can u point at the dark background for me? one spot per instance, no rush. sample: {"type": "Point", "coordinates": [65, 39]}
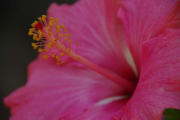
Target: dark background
{"type": "Point", "coordinates": [16, 53]}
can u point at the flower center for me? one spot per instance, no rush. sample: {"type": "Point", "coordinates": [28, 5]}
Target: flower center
{"type": "Point", "coordinates": [53, 41]}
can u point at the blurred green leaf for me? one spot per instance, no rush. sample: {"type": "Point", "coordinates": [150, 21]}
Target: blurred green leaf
{"type": "Point", "coordinates": [171, 114]}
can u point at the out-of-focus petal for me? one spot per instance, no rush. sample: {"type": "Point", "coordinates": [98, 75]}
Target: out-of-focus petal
{"type": "Point", "coordinates": [158, 87]}
{"type": "Point", "coordinates": [145, 19]}
{"type": "Point", "coordinates": [54, 93]}
{"type": "Point", "coordinates": [94, 24]}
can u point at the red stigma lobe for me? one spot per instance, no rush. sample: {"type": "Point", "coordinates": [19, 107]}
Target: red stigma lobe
{"type": "Point", "coordinates": [39, 26]}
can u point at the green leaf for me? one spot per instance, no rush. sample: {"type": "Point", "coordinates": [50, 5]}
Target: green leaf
{"type": "Point", "coordinates": [171, 114]}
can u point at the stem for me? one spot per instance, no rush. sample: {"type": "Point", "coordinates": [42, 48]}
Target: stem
{"type": "Point", "coordinates": [127, 85]}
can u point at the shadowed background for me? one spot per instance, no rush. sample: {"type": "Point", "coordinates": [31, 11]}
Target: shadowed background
{"type": "Point", "coordinates": [16, 52]}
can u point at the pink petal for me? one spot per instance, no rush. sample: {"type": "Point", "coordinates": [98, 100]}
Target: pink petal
{"type": "Point", "coordinates": [158, 87]}
{"type": "Point", "coordinates": [94, 24]}
{"type": "Point", "coordinates": [144, 19]}
{"type": "Point", "coordinates": [104, 112]}
{"type": "Point", "coordinates": [54, 92]}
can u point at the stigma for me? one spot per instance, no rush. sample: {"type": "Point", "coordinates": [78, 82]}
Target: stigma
{"type": "Point", "coordinates": [52, 39]}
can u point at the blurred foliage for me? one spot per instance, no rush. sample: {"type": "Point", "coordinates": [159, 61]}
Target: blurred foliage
{"type": "Point", "coordinates": [171, 114]}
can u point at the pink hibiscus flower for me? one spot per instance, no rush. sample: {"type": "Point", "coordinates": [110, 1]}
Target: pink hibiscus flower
{"type": "Point", "coordinates": [126, 65]}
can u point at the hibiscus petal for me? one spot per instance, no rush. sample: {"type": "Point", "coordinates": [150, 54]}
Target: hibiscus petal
{"type": "Point", "coordinates": [94, 24]}
{"type": "Point", "coordinates": [54, 92]}
{"type": "Point", "coordinates": [144, 19]}
{"type": "Point", "coordinates": [111, 111]}
{"type": "Point", "coordinates": [158, 87]}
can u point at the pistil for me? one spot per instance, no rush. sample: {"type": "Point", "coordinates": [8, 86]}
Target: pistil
{"type": "Point", "coordinates": [46, 40]}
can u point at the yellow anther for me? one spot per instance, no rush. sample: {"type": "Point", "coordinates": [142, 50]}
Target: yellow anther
{"type": "Point", "coordinates": [61, 54]}
{"type": "Point", "coordinates": [40, 35]}
{"type": "Point", "coordinates": [51, 18]}
{"type": "Point", "coordinates": [57, 58]}
{"type": "Point", "coordinates": [31, 30]}
{"type": "Point", "coordinates": [66, 34]}
{"type": "Point", "coordinates": [44, 18]}
{"type": "Point", "coordinates": [49, 45]}
{"type": "Point", "coordinates": [45, 56]}
{"type": "Point", "coordinates": [69, 49]}
{"type": "Point", "coordinates": [30, 33]}
{"type": "Point", "coordinates": [45, 38]}
{"type": "Point", "coordinates": [40, 50]}
{"type": "Point", "coordinates": [54, 39]}
{"type": "Point", "coordinates": [47, 28]}
{"type": "Point", "coordinates": [39, 18]}
{"type": "Point", "coordinates": [57, 28]}
{"type": "Point", "coordinates": [38, 38]}
{"type": "Point", "coordinates": [56, 20]}
{"type": "Point", "coordinates": [34, 46]}
{"type": "Point", "coordinates": [65, 38]}
{"type": "Point", "coordinates": [51, 22]}
{"type": "Point", "coordinates": [60, 35]}
{"type": "Point", "coordinates": [35, 37]}
{"type": "Point", "coordinates": [62, 26]}
{"type": "Point", "coordinates": [34, 23]}
{"type": "Point", "coordinates": [39, 31]}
